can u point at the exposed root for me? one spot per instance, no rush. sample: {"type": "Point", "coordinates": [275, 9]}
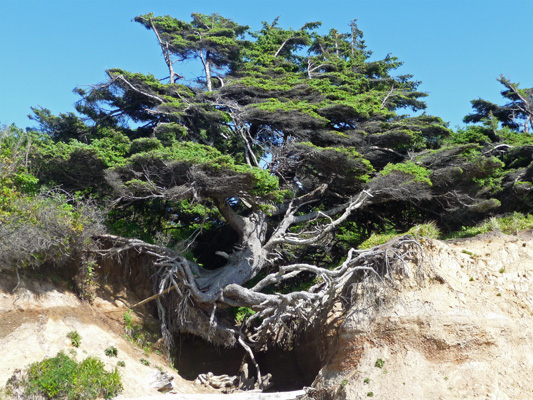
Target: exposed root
{"type": "Point", "coordinates": [192, 300]}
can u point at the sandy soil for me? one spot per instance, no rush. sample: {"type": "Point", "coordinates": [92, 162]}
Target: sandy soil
{"type": "Point", "coordinates": [466, 333]}
{"type": "Point", "coordinates": [35, 320]}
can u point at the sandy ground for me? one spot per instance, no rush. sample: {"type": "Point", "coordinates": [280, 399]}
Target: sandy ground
{"type": "Point", "coordinates": [464, 333]}
{"type": "Point", "coordinates": [36, 318]}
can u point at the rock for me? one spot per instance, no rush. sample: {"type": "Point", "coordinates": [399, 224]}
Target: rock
{"type": "Point", "coordinates": [162, 381]}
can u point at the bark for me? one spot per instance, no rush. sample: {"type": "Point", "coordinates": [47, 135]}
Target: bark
{"type": "Point", "coordinates": [166, 54]}
{"type": "Point", "coordinates": [192, 299]}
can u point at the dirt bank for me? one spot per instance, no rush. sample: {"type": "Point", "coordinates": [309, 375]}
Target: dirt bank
{"type": "Point", "coordinates": [465, 333]}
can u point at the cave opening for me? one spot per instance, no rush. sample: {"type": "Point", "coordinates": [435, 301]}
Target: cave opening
{"type": "Point", "coordinates": [290, 369]}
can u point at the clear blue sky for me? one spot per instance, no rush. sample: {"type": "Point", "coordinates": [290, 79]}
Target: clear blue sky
{"type": "Point", "coordinates": [457, 48]}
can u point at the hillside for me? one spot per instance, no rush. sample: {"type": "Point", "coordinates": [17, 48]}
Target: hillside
{"type": "Point", "coordinates": [464, 332]}
{"type": "Point", "coordinates": [38, 315]}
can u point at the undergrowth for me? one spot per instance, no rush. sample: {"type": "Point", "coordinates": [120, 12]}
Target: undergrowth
{"type": "Point", "coordinates": [64, 378]}
{"type": "Point", "coordinates": [139, 335]}
{"type": "Point", "coordinates": [509, 224]}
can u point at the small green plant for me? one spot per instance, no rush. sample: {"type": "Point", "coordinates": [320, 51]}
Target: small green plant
{"type": "Point", "coordinates": [128, 321]}
{"type": "Point", "coordinates": [241, 314]}
{"type": "Point", "coordinates": [144, 361]}
{"type": "Point", "coordinates": [75, 338]}
{"type": "Point", "coordinates": [111, 351]}
{"type": "Point", "coordinates": [85, 280]}
{"type": "Point", "coordinates": [471, 279]}
{"type": "Point", "coordinates": [63, 377]}
{"type": "Point", "coordinates": [428, 230]}
{"type": "Point", "coordinates": [501, 270]}
{"type": "Point", "coordinates": [445, 378]}
{"type": "Point", "coordinates": [138, 335]}
{"type": "Point", "coordinates": [344, 383]}
{"type": "Point", "coordinates": [366, 381]}
{"type": "Point", "coordinates": [377, 239]}
{"type": "Point", "coordinates": [379, 363]}
{"type": "Point", "coordinates": [121, 364]}
{"type": "Point", "coordinates": [370, 394]}
{"type": "Point", "coordinates": [498, 294]}
{"type": "Point", "coordinates": [473, 255]}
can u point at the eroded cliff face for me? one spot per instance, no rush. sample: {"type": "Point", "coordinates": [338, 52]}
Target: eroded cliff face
{"type": "Point", "coordinates": [463, 332]}
{"type": "Point", "coordinates": [36, 317]}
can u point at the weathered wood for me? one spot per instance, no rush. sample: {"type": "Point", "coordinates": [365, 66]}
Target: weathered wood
{"type": "Point", "coordinates": [155, 296]}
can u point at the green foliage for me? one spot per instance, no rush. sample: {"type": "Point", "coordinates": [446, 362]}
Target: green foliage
{"type": "Point", "coordinates": [75, 338]}
{"type": "Point", "coordinates": [513, 223]}
{"type": "Point", "coordinates": [379, 363]}
{"type": "Point", "coordinates": [45, 228]}
{"type": "Point", "coordinates": [241, 314]}
{"type": "Point", "coordinates": [429, 230]}
{"type": "Point", "coordinates": [416, 172]}
{"type": "Point", "coordinates": [144, 362]}
{"type": "Point", "coordinates": [471, 134]}
{"type": "Point", "coordinates": [111, 351]}
{"type": "Point", "coordinates": [143, 145]}
{"type": "Point", "coordinates": [510, 224]}
{"type": "Point", "coordinates": [85, 279]}
{"type": "Point", "coordinates": [138, 335]}
{"type": "Point", "coordinates": [377, 239]}
{"type": "Point", "coordinates": [128, 320]}
{"type": "Point", "coordinates": [63, 377]}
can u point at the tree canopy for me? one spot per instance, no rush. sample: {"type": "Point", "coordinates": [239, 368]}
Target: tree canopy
{"type": "Point", "coordinates": [253, 186]}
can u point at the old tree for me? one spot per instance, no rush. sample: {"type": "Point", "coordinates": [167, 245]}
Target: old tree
{"type": "Point", "coordinates": [252, 187]}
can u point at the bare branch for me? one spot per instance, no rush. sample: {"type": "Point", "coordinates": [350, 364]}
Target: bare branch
{"type": "Point", "coordinates": [166, 54]}
{"type": "Point", "coordinates": [132, 87]}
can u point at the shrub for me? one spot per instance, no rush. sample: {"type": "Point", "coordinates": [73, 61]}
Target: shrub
{"type": "Point", "coordinates": [63, 377]}
{"type": "Point", "coordinates": [46, 228]}
{"type": "Point", "coordinates": [111, 351]}
{"type": "Point", "coordinates": [428, 230]}
{"type": "Point", "coordinates": [75, 338]}
{"type": "Point", "coordinates": [510, 224]}
{"type": "Point", "coordinates": [377, 239]}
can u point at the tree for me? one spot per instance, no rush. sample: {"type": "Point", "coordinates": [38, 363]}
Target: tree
{"type": "Point", "coordinates": [299, 143]}
{"type": "Point", "coordinates": [210, 38]}
{"type": "Point", "coordinates": [517, 114]}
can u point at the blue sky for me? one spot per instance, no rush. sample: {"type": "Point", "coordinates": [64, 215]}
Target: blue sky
{"type": "Point", "coordinates": [457, 48]}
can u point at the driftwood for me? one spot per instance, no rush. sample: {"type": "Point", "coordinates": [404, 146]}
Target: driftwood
{"type": "Point", "coordinates": [229, 384]}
